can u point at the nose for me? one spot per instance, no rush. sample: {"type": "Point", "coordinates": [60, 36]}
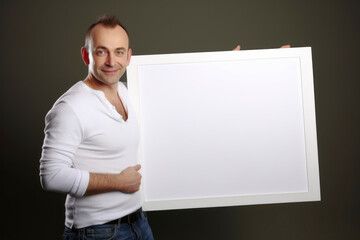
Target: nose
{"type": "Point", "coordinates": [110, 60]}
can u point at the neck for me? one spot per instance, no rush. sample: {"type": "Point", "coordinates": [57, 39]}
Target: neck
{"type": "Point", "coordinates": [109, 90]}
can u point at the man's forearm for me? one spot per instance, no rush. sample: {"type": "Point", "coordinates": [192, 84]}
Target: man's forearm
{"type": "Point", "coordinates": [100, 183]}
{"type": "Point", "coordinates": [128, 181]}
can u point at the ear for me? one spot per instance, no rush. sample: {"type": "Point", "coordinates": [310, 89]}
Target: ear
{"type": "Point", "coordinates": [129, 54]}
{"type": "Point", "coordinates": [85, 56]}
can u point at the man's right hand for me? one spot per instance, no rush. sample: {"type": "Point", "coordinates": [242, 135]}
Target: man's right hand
{"type": "Point", "coordinates": [131, 179]}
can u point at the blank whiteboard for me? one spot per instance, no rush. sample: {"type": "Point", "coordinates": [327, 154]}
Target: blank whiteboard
{"type": "Point", "coordinates": [226, 128]}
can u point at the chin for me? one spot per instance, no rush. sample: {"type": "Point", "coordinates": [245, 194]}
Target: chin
{"type": "Point", "coordinates": [110, 81]}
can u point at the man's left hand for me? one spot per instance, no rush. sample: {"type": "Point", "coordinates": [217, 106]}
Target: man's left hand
{"type": "Point", "coordinates": [238, 47]}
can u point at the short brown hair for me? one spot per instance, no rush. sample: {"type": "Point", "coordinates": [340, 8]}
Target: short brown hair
{"type": "Point", "coordinates": [108, 20]}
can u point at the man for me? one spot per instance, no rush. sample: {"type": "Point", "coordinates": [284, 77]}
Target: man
{"type": "Point", "coordinates": [90, 144]}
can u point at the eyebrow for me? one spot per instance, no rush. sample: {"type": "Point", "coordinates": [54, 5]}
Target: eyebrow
{"type": "Point", "coordinates": [102, 47]}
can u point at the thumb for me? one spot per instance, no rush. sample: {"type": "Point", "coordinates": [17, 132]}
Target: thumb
{"type": "Point", "coordinates": [137, 167]}
{"type": "Point", "coordinates": [237, 48]}
{"type": "Point", "coordinates": [285, 46]}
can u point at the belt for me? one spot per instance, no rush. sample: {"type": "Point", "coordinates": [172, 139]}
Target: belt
{"type": "Point", "coordinates": [132, 217]}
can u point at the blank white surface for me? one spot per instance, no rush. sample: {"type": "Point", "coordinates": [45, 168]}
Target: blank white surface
{"type": "Point", "coordinates": [221, 129]}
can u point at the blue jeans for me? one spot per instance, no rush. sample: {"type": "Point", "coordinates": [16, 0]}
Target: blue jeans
{"type": "Point", "coordinates": [138, 230]}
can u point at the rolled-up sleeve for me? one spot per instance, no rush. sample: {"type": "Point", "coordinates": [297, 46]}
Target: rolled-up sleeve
{"type": "Point", "coordinates": [63, 135]}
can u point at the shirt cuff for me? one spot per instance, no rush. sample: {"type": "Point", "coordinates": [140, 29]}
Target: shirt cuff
{"type": "Point", "coordinates": [81, 184]}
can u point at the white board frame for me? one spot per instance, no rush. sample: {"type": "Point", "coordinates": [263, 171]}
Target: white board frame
{"type": "Point", "coordinates": [304, 60]}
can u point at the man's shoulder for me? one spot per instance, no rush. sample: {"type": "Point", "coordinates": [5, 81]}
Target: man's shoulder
{"type": "Point", "coordinates": [75, 96]}
{"type": "Point", "coordinates": [73, 104]}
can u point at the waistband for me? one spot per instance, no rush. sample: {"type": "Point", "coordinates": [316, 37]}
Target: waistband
{"type": "Point", "coordinates": [132, 217]}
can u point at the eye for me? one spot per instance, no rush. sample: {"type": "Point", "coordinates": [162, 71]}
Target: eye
{"type": "Point", "coordinates": [119, 53]}
{"type": "Point", "coordinates": [100, 52]}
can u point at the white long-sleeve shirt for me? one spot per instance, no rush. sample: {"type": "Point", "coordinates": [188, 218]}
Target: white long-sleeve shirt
{"type": "Point", "coordinates": [84, 133]}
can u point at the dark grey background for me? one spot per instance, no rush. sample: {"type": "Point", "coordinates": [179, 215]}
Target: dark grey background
{"type": "Point", "coordinates": [40, 59]}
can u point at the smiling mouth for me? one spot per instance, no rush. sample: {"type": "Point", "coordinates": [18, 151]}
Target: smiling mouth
{"type": "Point", "coordinates": [111, 71]}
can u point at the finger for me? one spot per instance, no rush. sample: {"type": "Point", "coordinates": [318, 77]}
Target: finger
{"type": "Point", "coordinates": [285, 46]}
{"type": "Point", "coordinates": [238, 47]}
{"type": "Point", "coordinates": [137, 167]}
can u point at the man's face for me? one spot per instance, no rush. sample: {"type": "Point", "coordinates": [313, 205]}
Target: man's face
{"type": "Point", "coordinates": [109, 53]}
